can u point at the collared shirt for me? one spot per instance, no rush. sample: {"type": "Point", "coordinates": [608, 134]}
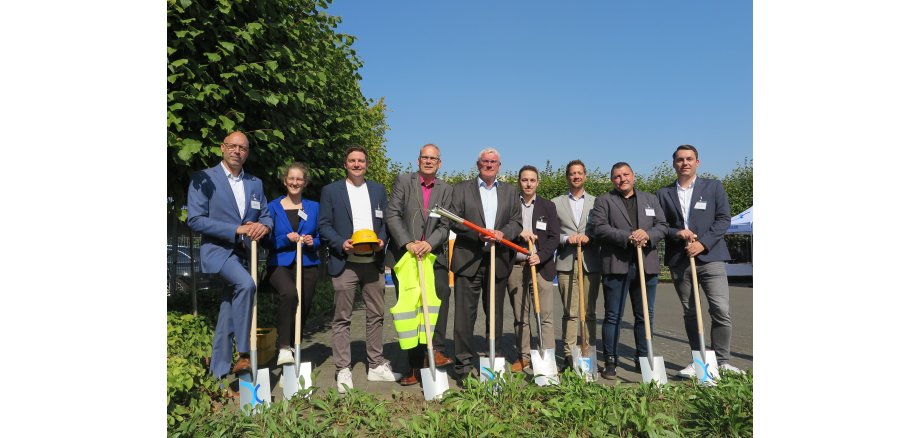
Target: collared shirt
{"type": "Point", "coordinates": [426, 190]}
{"type": "Point", "coordinates": [578, 207]}
{"type": "Point", "coordinates": [527, 220]}
{"type": "Point", "coordinates": [685, 195]}
{"type": "Point", "coordinates": [239, 192]}
{"type": "Point", "coordinates": [489, 196]}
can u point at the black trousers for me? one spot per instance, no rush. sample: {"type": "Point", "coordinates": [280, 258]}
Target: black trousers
{"type": "Point", "coordinates": [442, 290]}
{"type": "Point", "coordinates": [466, 298]}
{"type": "Point", "coordinates": [284, 280]}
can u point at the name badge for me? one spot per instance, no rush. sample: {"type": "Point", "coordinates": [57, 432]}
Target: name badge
{"type": "Point", "coordinates": [434, 215]}
{"type": "Point", "coordinates": [700, 205]}
{"type": "Point", "coordinates": [255, 205]}
{"type": "Point", "coordinates": [378, 213]}
{"type": "Point", "coordinates": [649, 211]}
{"type": "Point", "coordinates": [302, 214]}
{"type": "Point", "coordinates": [541, 225]}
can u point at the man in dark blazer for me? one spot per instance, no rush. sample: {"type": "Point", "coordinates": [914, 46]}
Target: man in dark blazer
{"type": "Point", "coordinates": [412, 227]}
{"type": "Point", "coordinates": [698, 215]}
{"type": "Point", "coordinates": [225, 205]}
{"type": "Point", "coordinates": [623, 219]}
{"type": "Point", "coordinates": [494, 206]}
{"type": "Point", "coordinates": [347, 206]}
{"type": "Point", "coordinates": [540, 226]}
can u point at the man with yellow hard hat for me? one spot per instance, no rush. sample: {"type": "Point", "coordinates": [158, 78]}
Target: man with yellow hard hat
{"type": "Point", "coordinates": [351, 218]}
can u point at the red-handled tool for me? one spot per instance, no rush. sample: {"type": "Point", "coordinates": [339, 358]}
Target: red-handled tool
{"type": "Point", "coordinates": [440, 210]}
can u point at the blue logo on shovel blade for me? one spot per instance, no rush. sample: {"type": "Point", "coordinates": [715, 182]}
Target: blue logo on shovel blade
{"type": "Point", "coordinates": [254, 390]}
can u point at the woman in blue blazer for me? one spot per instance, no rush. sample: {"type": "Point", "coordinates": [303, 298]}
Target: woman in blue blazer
{"type": "Point", "coordinates": [295, 219]}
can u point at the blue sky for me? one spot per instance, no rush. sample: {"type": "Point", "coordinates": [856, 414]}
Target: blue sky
{"type": "Point", "coordinates": [600, 81]}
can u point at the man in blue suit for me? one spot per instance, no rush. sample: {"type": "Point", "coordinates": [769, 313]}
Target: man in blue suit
{"type": "Point", "coordinates": [698, 216]}
{"type": "Point", "coordinates": [347, 206]}
{"type": "Point", "coordinates": [225, 205]}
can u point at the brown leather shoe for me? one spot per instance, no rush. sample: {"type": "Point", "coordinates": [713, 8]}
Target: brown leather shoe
{"type": "Point", "coordinates": [241, 365]}
{"type": "Point", "coordinates": [440, 360]}
{"type": "Point", "coordinates": [519, 365]}
{"type": "Point", "coordinates": [410, 378]}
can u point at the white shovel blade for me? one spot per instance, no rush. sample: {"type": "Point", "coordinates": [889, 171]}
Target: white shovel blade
{"type": "Point", "coordinates": [655, 373]}
{"type": "Point", "coordinates": [707, 371]}
{"type": "Point", "coordinates": [290, 380]}
{"type": "Point", "coordinates": [544, 367]}
{"type": "Point", "coordinates": [489, 372]}
{"type": "Point", "coordinates": [585, 365]}
{"type": "Point", "coordinates": [434, 387]}
{"type": "Point", "coordinates": [255, 394]}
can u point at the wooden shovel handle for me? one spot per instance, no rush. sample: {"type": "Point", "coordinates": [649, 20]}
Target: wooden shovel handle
{"type": "Point", "coordinates": [421, 282]}
{"type": "Point", "coordinates": [533, 281]}
{"type": "Point", "coordinates": [581, 300]}
{"type": "Point", "coordinates": [492, 291]}
{"type": "Point", "coordinates": [696, 297]}
{"type": "Point", "coordinates": [640, 256]}
{"type": "Point", "coordinates": [254, 271]}
{"type": "Point", "coordinates": [299, 277]}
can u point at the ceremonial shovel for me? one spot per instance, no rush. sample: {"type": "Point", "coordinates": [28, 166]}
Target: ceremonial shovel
{"type": "Point", "coordinates": [434, 381]}
{"type": "Point", "coordinates": [291, 373]}
{"type": "Point", "coordinates": [584, 356]}
{"type": "Point", "coordinates": [496, 365]}
{"type": "Point", "coordinates": [707, 370]}
{"type": "Point", "coordinates": [654, 369]}
{"type": "Point", "coordinates": [260, 392]}
{"type": "Point", "coordinates": [544, 360]}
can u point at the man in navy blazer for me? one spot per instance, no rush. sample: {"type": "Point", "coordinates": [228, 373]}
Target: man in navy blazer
{"type": "Point", "coordinates": [495, 206]}
{"type": "Point", "coordinates": [224, 205]}
{"type": "Point", "coordinates": [541, 226]}
{"type": "Point", "coordinates": [623, 219]}
{"type": "Point", "coordinates": [698, 216]}
{"type": "Point", "coordinates": [347, 206]}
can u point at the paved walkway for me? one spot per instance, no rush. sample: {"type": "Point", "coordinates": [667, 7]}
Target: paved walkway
{"type": "Point", "coordinates": [669, 341]}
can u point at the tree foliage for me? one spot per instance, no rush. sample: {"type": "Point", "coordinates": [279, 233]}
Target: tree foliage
{"type": "Point", "coordinates": [739, 185]}
{"type": "Point", "coordinates": [276, 70]}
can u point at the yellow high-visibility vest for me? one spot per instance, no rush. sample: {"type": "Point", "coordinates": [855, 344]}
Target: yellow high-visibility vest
{"type": "Point", "coordinates": [408, 317]}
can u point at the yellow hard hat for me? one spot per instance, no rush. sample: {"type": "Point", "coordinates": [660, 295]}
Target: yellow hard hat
{"type": "Point", "coordinates": [364, 241]}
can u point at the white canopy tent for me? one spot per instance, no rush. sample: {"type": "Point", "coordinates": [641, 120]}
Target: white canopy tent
{"type": "Point", "coordinates": [743, 223]}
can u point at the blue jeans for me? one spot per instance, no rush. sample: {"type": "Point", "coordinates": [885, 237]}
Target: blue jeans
{"type": "Point", "coordinates": [235, 316]}
{"type": "Point", "coordinates": [616, 287]}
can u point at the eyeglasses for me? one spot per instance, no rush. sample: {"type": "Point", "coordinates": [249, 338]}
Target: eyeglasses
{"type": "Point", "coordinates": [427, 158]}
{"type": "Point", "coordinates": [293, 179]}
{"type": "Point", "coordinates": [233, 147]}
{"type": "Point", "coordinates": [490, 161]}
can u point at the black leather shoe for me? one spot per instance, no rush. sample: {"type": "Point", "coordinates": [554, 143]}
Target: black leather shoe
{"type": "Point", "coordinates": [610, 370]}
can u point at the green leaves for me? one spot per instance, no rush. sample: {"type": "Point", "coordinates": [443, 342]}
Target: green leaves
{"type": "Point", "coordinates": [289, 85]}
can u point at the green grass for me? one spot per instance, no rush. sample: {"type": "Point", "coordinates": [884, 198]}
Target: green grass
{"type": "Point", "coordinates": [515, 408]}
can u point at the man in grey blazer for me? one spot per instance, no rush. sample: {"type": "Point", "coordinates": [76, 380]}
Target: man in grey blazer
{"type": "Point", "coordinates": [573, 208]}
{"type": "Point", "coordinates": [228, 207]}
{"type": "Point", "coordinates": [495, 206]}
{"type": "Point", "coordinates": [698, 215]}
{"type": "Point", "coordinates": [412, 227]}
{"type": "Point", "coordinates": [623, 219]}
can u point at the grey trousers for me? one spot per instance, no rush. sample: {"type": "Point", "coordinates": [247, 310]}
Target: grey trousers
{"type": "Point", "coordinates": [713, 282]}
{"type": "Point", "coordinates": [370, 280]}
{"type": "Point", "coordinates": [568, 290]}
{"type": "Point", "coordinates": [521, 297]}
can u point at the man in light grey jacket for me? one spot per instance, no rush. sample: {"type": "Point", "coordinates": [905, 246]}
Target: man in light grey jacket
{"type": "Point", "coordinates": [573, 209]}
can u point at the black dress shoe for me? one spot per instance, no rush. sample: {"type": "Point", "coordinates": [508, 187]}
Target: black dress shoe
{"type": "Point", "coordinates": [610, 370]}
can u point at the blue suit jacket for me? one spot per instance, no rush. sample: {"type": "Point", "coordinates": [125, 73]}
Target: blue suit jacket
{"type": "Point", "coordinates": [335, 221]}
{"type": "Point", "coordinates": [709, 223]}
{"type": "Point", "coordinates": [282, 251]}
{"type": "Point", "coordinates": [212, 211]}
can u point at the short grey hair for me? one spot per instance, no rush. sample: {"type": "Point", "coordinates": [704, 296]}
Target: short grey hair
{"type": "Point", "coordinates": [432, 145]}
{"type": "Point", "coordinates": [487, 151]}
